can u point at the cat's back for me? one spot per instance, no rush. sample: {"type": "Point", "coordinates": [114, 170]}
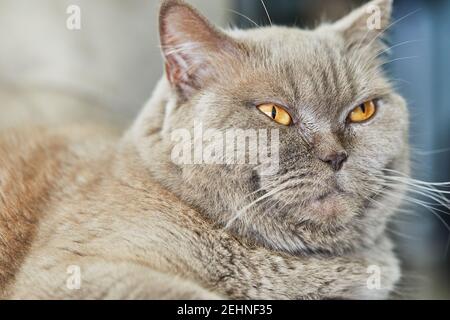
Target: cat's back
{"type": "Point", "coordinates": [66, 195]}
{"type": "Point", "coordinates": [33, 163]}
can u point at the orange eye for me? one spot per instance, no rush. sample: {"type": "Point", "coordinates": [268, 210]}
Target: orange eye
{"type": "Point", "coordinates": [363, 112]}
{"type": "Point", "coordinates": [276, 113]}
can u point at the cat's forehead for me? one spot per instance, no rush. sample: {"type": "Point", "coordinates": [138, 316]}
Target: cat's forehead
{"type": "Point", "coordinates": [268, 33]}
{"type": "Point", "coordinates": [288, 39]}
{"type": "Point", "coordinates": [304, 67]}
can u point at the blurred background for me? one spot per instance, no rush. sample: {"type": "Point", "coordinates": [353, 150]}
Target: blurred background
{"type": "Point", "coordinates": [106, 70]}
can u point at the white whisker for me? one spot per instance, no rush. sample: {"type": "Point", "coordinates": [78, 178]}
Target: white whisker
{"type": "Point", "coordinates": [267, 12]}
{"type": "Point", "coordinates": [431, 152]}
{"type": "Point", "coordinates": [398, 59]}
{"type": "Point", "coordinates": [245, 17]}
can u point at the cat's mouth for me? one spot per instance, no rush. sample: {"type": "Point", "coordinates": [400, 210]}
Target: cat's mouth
{"type": "Point", "coordinates": [337, 202]}
{"type": "Point", "coordinates": [331, 201]}
{"type": "Point", "coordinates": [334, 191]}
{"type": "Point", "coordinates": [328, 194]}
{"type": "Point", "coordinates": [337, 196]}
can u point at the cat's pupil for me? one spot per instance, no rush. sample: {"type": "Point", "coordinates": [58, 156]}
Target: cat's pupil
{"type": "Point", "coordinates": [274, 112]}
{"type": "Point", "coordinates": [363, 108]}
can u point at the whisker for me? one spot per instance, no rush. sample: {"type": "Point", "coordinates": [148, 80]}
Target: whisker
{"type": "Point", "coordinates": [427, 206]}
{"type": "Point", "coordinates": [267, 12]}
{"type": "Point", "coordinates": [398, 59]}
{"type": "Point", "coordinates": [418, 181]}
{"type": "Point", "coordinates": [395, 46]}
{"type": "Point", "coordinates": [403, 235]}
{"type": "Point", "coordinates": [431, 152]}
{"type": "Point", "coordinates": [422, 204]}
{"type": "Point", "coordinates": [386, 50]}
{"type": "Point", "coordinates": [243, 210]}
{"type": "Point", "coordinates": [431, 193]}
{"type": "Point", "coordinates": [245, 17]}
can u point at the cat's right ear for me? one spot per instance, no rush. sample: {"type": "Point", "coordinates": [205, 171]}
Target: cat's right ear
{"type": "Point", "coordinates": [192, 47]}
{"type": "Point", "coordinates": [367, 24]}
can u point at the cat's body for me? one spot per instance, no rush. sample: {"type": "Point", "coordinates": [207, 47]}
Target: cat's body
{"type": "Point", "coordinates": [139, 226]}
{"type": "Point", "coordinates": [92, 205]}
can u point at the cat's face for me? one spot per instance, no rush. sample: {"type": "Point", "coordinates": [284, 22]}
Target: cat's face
{"type": "Point", "coordinates": [327, 194]}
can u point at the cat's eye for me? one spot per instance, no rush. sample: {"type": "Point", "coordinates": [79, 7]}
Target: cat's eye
{"type": "Point", "coordinates": [363, 112]}
{"type": "Point", "coordinates": [276, 113]}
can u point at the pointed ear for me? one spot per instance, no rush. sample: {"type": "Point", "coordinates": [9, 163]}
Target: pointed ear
{"type": "Point", "coordinates": [191, 46]}
{"type": "Point", "coordinates": [366, 23]}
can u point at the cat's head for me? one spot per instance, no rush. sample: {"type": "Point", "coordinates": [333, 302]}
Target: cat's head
{"type": "Point", "coordinates": [319, 96]}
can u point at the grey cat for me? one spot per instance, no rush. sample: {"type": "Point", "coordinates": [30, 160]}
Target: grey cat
{"type": "Point", "coordinates": [139, 225]}
{"type": "Point", "coordinates": [320, 76]}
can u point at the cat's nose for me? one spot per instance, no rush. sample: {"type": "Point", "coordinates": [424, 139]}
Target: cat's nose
{"type": "Point", "coordinates": [328, 149]}
{"type": "Point", "coordinates": [335, 159]}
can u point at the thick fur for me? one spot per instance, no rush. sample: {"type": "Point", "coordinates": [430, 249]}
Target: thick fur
{"type": "Point", "coordinates": [133, 239]}
{"type": "Point", "coordinates": [140, 226]}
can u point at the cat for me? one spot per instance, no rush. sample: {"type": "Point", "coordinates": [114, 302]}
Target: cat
{"type": "Point", "coordinates": [134, 224]}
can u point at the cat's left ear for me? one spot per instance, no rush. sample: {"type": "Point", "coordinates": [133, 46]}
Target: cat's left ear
{"type": "Point", "coordinates": [193, 49]}
{"type": "Point", "coordinates": [367, 23]}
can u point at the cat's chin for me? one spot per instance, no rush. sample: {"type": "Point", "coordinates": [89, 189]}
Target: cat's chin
{"type": "Point", "coordinates": [332, 206]}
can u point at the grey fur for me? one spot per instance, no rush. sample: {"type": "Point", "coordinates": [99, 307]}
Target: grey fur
{"type": "Point", "coordinates": [320, 75]}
